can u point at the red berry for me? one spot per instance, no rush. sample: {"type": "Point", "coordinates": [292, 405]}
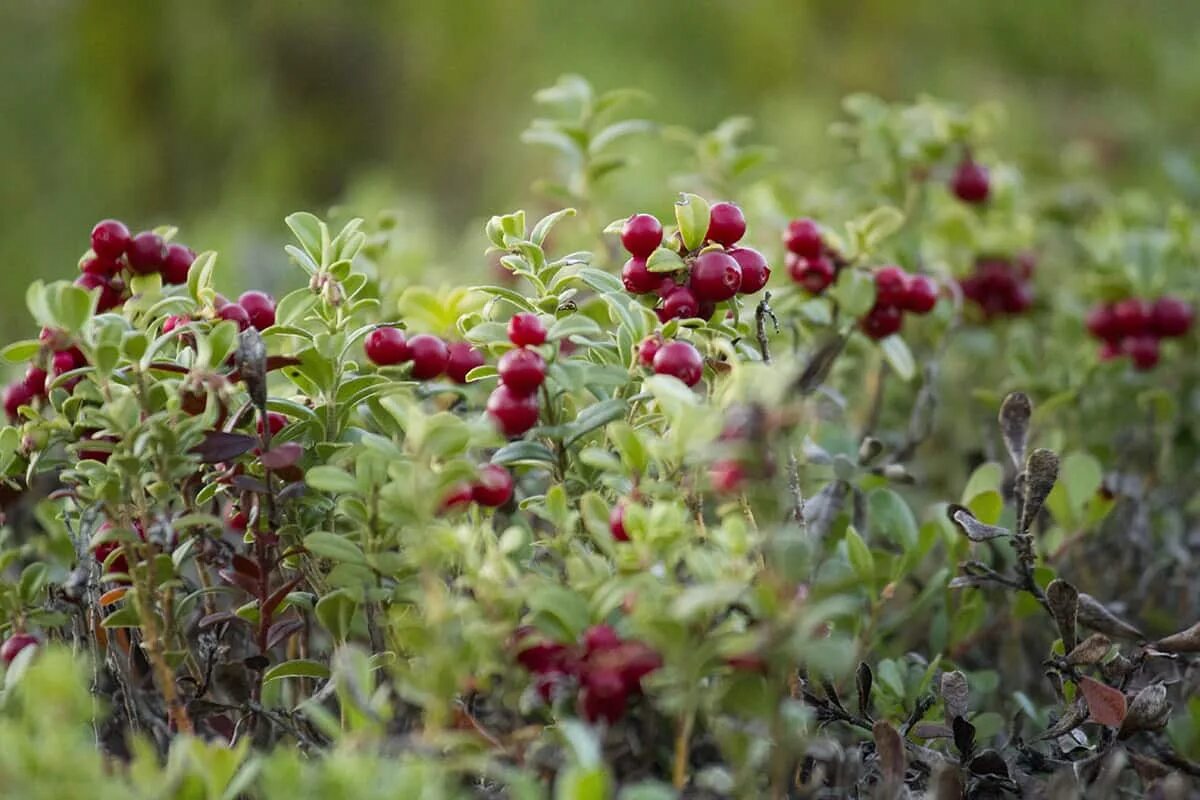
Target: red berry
{"type": "Point", "coordinates": [110, 239]}
{"type": "Point", "coordinates": [276, 420]}
{"type": "Point", "coordinates": [110, 291]}
{"type": "Point", "coordinates": [234, 312]}
{"type": "Point", "coordinates": [679, 304]}
{"type": "Point", "coordinates": [648, 348]}
{"type": "Point", "coordinates": [386, 346]}
{"type": "Point", "coordinates": [514, 413]}
{"type": "Point", "coordinates": [680, 360]}
{"type": "Point", "coordinates": [746, 662]}
{"type": "Point", "coordinates": [604, 696]}
{"type": "Point", "coordinates": [173, 322]}
{"type": "Point", "coordinates": [526, 330]}
{"type": "Point", "coordinates": [1019, 298]}
{"type": "Point", "coordinates": [1102, 323]}
{"type": "Point", "coordinates": [98, 265]}
{"type": "Point", "coordinates": [641, 235]}
{"type": "Point", "coordinates": [814, 274]}
{"type": "Point", "coordinates": [494, 486]}
{"type": "Point", "coordinates": [882, 321]}
{"type": "Point", "coordinates": [638, 279]}
{"type": "Point", "coordinates": [890, 286]}
{"type": "Point", "coordinates": [456, 497]}
{"type": "Point", "coordinates": [67, 360]}
{"type": "Point", "coordinates": [260, 307]}
{"type": "Point", "coordinates": [1109, 350]}
{"type": "Point", "coordinates": [616, 523]}
{"type": "Point", "coordinates": [539, 656]}
{"type": "Point", "coordinates": [15, 396]}
{"type": "Point", "coordinates": [1143, 349]}
{"type": "Point", "coordinates": [147, 253]}
{"type": "Point", "coordinates": [1131, 317]}
{"type": "Point", "coordinates": [236, 519]}
{"type": "Point", "coordinates": [1170, 316]}
{"type": "Point", "coordinates": [970, 182]}
{"type": "Point", "coordinates": [727, 476]}
{"type": "Point", "coordinates": [522, 370]}
{"type": "Point", "coordinates": [726, 224]}
{"type": "Point", "coordinates": [177, 264]}
{"type": "Point", "coordinates": [429, 355]}
{"type": "Point", "coordinates": [35, 381]}
{"type": "Point", "coordinates": [600, 638]}
{"type": "Point", "coordinates": [803, 238]}
{"type": "Point", "coordinates": [104, 549]}
{"type": "Point", "coordinates": [706, 308]}
{"type": "Point", "coordinates": [755, 271]}
{"type": "Point", "coordinates": [15, 644]}
{"type": "Point", "coordinates": [463, 358]}
{"type": "Point", "coordinates": [715, 276]}
{"type": "Point", "coordinates": [920, 294]}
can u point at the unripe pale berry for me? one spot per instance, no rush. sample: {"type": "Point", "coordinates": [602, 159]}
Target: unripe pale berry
{"type": "Point", "coordinates": [260, 307]}
{"type": "Point", "coordinates": [522, 370]}
{"type": "Point", "coordinates": [641, 235]}
{"type": "Point", "coordinates": [680, 360]}
{"type": "Point", "coordinates": [755, 271]}
{"type": "Point", "coordinates": [803, 238]}
{"type": "Point", "coordinates": [526, 330]}
{"type": "Point", "coordinates": [715, 276]}
{"type": "Point", "coordinates": [464, 357]}
{"type": "Point", "coordinates": [110, 239]}
{"type": "Point", "coordinates": [726, 224]}
{"type": "Point", "coordinates": [513, 413]}
{"type": "Point", "coordinates": [429, 356]}
{"type": "Point", "coordinates": [386, 347]}
{"type": "Point", "coordinates": [494, 486]}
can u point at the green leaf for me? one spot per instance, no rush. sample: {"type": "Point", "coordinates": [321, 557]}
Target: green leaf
{"type": "Point", "coordinates": [334, 547]}
{"type": "Point", "coordinates": [72, 307]}
{"type": "Point", "coordinates": [33, 579]}
{"type": "Point", "coordinates": [898, 356]}
{"type": "Point", "coordinates": [124, 617]}
{"type": "Point", "coordinates": [335, 612]}
{"type": "Point", "coordinates": [691, 212]}
{"type": "Point", "coordinates": [299, 668]}
{"type": "Point", "coordinates": [543, 226]}
{"type": "Point", "coordinates": [891, 517]}
{"type": "Point", "coordinates": [593, 417]}
{"type": "Point", "coordinates": [200, 274]}
{"type": "Point", "coordinates": [307, 229]}
{"type": "Point", "coordinates": [602, 282]}
{"type": "Point", "coordinates": [516, 298]}
{"type": "Point", "coordinates": [987, 477]}
{"type": "Point", "coordinates": [1081, 476]}
{"type": "Point", "coordinates": [630, 446]}
{"type": "Point", "coordinates": [861, 559]}
{"type": "Point", "coordinates": [21, 351]}
{"type": "Point", "coordinates": [565, 611]}
{"type": "Point", "coordinates": [664, 259]}
{"type": "Point", "coordinates": [580, 783]}
{"type": "Point", "coordinates": [523, 452]}
{"type": "Point", "coordinates": [854, 291]}
{"type": "Point", "coordinates": [573, 325]}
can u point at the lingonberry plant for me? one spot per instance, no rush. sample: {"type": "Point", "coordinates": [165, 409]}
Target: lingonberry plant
{"type": "Point", "coordinates": [732, 497]}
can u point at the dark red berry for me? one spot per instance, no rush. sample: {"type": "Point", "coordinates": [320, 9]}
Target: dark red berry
{"type": "Point", "coordinates": [494, 486]}
{"type": "Point", "coordinates": [110, 291]}
{"type": "Point", "coordinates": [177, 264]}
{"type": "Point", "coordinates": [429, 355]}
{"type": "Point", "coordinates": [1131, 317]}
{"type": "Point", "coordinates": [890, 285]}
{"type": "Point", "coordinates": [648, 348]}
{"type": "Point", "coordinates": [604, 696]}
{"type": "Point", "coordinates": [882, 321]}
{"type": "Point", "coordinates": [680, 360]}
{"type": "Point", "coordinates": [1102, 322]}
{"type": "Point", "coordinates": [814, 274]}
{"type": "Point", "coordinates": [522, 370]}
{"type": "Point", "coordinates": [464, 357]}
{"type": "Point", "coordinates": [35, 381]}
{"type": "Point", "coordinates": [755, 271]}
{"type": "Point", "coordinates": [234, 312]}
{"type": "Point", "coordinates": [920, 294]}
{"type": "Point", "coordinates": [970, 182]}
{"type": "Point", "coordinates": [67, 360]}
{"type": "Point", "coordinates": [260, 307]}
{"type": "Point", "coordinates": [514, 413]}
{"type": "Point", "coordinates": [147, 253]}
{"type": "Point", "coordinates": [526, 330]}
{"type": "Point", "coordinates": [641, 235]}
{"type": "Point", "coordinates": [715, 276]}
{"type": "Point", "coordinates": [16, 395]}
{"type": "Point", "coordinates": [386, 347]}
{"type": "Point", "coordinates": [599, 639]}
{"type": "Point", "coordinates": [681, 303]}
{"type": "Point", "coordinates": [110, 239]}
{"type": "Point", "coordinates": [639, 280]}
{"type": "Point", "coordinates": [276, 420]}
{"type": "Point", "coordinates": [616, 523]}
{"type": "Point", "coordinates": [539, 656]}
{"type": "Point", "coordinates": [1170, 317]}
{"type": "Point", "coordinates": [1109, 349]}
{"type": "Point", "coordinates": [726, 224]}
{"type": "Point", "coordinates": [14, 644]}
{"type": "Point", "coordinates": [1142, 349]}
{"type": "Point", "coordinates": [803, 238]}
{"type": "Point", "coordinates": [98, 265]}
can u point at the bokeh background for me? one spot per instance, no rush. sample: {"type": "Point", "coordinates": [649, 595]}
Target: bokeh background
{"type": "Point", "coordinates": [223, 115]}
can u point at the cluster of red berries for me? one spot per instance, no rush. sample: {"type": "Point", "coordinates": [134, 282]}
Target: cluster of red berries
{"type": "Point", "coordinates": [513, 405]}
{"type": "Point", "coordinates": [970, 182]}
{"type": "Point", "coordinates": [33, 386]}
{"type": "Point", "coordinates": [430, 356]}
{"type": "Point", "coordinates": [715, 274]}
{"type": "Point", "coordinates": [1133, 327]}
{"type": "Point", "coordinates": [607, 669]}
{"type": "Point", "coordinates": [676, 358]}
{"type": "Point", "coordinates": [897, 291]}
{"type": "Point", "coordinates": [493, 488]}
{"type": "Point", "coordinates": [809, 261]}
{"type": "Point", "coordinates": [115, 252]}
{"type": "Point", "coordinates": [1000, 286]}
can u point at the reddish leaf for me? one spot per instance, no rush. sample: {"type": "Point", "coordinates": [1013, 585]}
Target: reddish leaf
{"type": "Point", "coordinates": [278, 595]}
{"type": "Point", "coordinates": [220, 616]}
{"type": "Point", "coordinates": [245, 566]}
{"type": "Point", "coordinates": [221, 446]}
{"type": "Point", "coordinates": [281, 630]}
{"type": "Point", "coordinates": [238, 579]}
{"type": "Point", "coordinates": [285, 455]}
{"type": "Point", "coordinates": [1106, 705]}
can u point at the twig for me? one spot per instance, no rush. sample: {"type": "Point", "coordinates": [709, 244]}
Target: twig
{"type": "Point", "coordinates": [761, 313]}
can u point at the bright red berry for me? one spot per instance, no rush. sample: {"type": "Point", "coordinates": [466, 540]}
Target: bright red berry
{"type": "Point", "coordinates": [680, 360]}
{"type": "Point", "coordinates": [638, 279]}
{"type": "Point", "coordinates": [681, 303]}
{"type": "Point", "coordinates": [920, 294]}
{"type": "Point", "coordinates": [110, 290]}
{"type": "Point", "coordinates": [147, 253]}
{"type": "Point", "coordinates": [882, 321]}
{"type": "Point", "coordinates": [429, 355]}
{"type": "Point", "coordinates": [648, 348]}
{"type": "Point", "coordinates": [726, 224]}
{"type": "Point", "coordinates": [173, 322]}
{"type": "Point", "coordinates": [464, 357]}
{"type": "Point", "coordinates": [814, 274]}
{"type": "Point", "coordinates": [522, 370]}
{"type": "Point", "coordinates": [1170, 317]}
{"type": "Point", "coordinates": [67, 360]}
{"type": "Point", "coordinates": [1142, 349]}
{"type": "Point", "coordinates": [970, 182]}
{"type": "Point", "coordinates": [110, 239]}
{"type": "Point", "coordinates": [35, 380]}
{"type": "Point", "coordinates": [494, 486]}
{"type": "Point", "coordinates": [514, 413]}
{"type": "Point", "coordinates": [276, 420]}
{"type": "Point", "coordinates": [98, 265]}
{"type": "Point", "coordinates": [14, 645]}
{"type": "Point", "coordinates": [727, 476]}
{"type": "Point", "coordinates": [616, 523]}
{"type": "Point", "coordinates": [526, 330]}
{"type": "Point", "coordinates": [803, 238]}
{"type": "Point", "coordinates": [177, 264]}
{"type": "Point", "coordinates": [641, 235]}
{"type": "Point", "coordinates": [600, 638]}
{"type": "Point", "coordinates": [1131, 317]}
{"type": "Point", "coordinates": [456, 497]}
{"type": "Point", "coordinates": [386, 347]}
{"type": "Point", "coordinates": [890, 285]}
{"type": "Point", "coordinates": [715, 276]}
{"type": "Point", "coordinates": [755, 271]}
{"type": "Point", "coordinates": [260, 307]}
{"type": "Point", "coordinates": [234, 312]}
{"type": "Point", "coordinates": [16, 395]}
{"type": "Point", "coordinates": [1102, 323]}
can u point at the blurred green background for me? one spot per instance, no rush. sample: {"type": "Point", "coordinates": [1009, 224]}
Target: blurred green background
{"type": "Point", "coordinates": [224, 115]}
